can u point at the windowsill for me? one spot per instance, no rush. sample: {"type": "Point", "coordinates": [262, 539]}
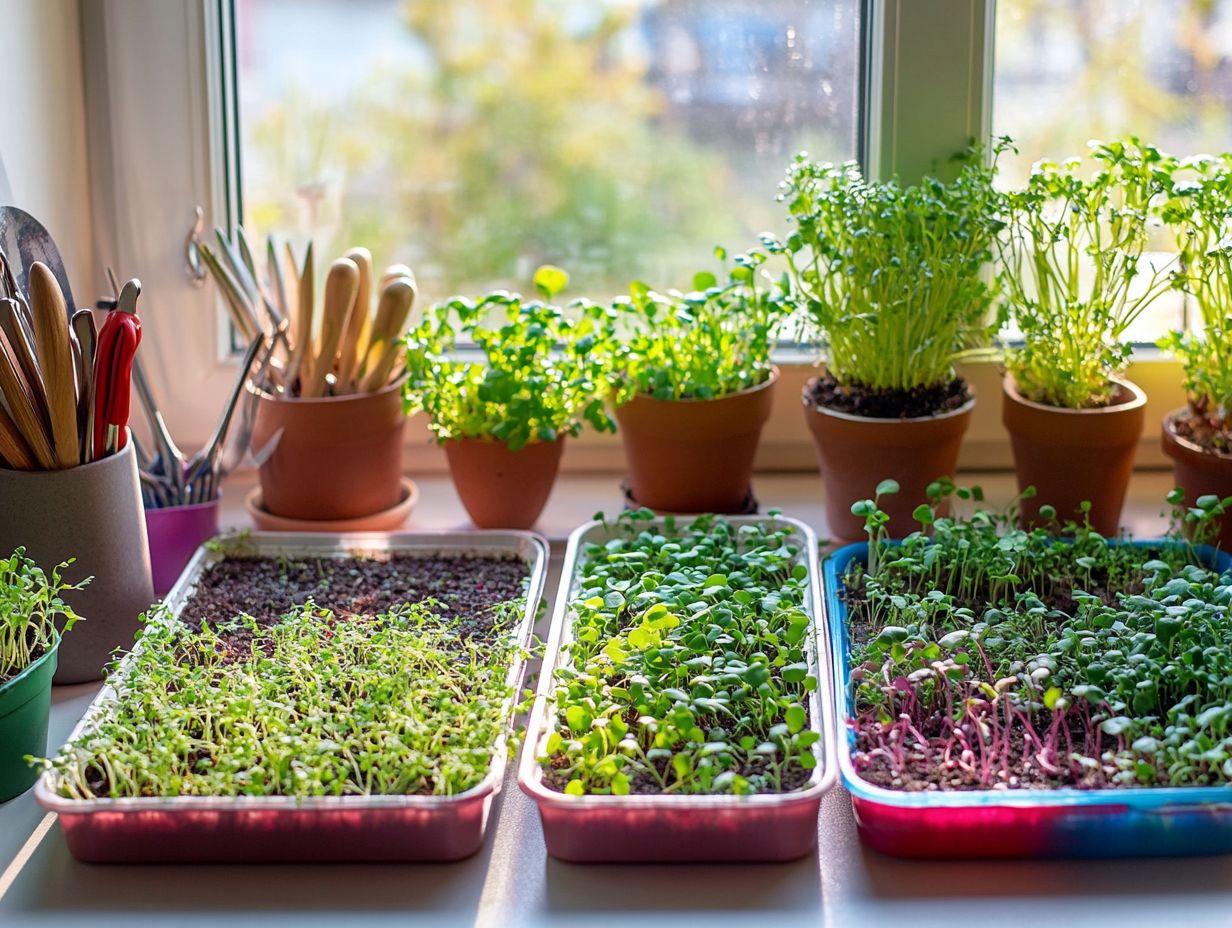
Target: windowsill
{"type": "Point", "coordinates": [577, 497]}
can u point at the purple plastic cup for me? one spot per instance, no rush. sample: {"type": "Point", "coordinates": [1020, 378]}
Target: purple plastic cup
{"type": "Point", "coordinates": [175, 532]}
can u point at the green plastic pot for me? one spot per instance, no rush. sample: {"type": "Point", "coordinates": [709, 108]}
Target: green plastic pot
{"type": "Point", "coordinates": [25, 705]}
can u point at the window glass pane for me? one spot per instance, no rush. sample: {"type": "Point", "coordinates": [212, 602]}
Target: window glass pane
{"type": "Point", "coordinates": [1072, 70]}
{"type": "Point", "coordinates": [476, 139]}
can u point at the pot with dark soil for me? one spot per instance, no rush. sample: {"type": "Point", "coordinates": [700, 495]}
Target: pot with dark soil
{"type": "Point", "coordinates": [1199, 437]}
{"type": "Point", "coordinates": [891, 279]}
{"type": "Point", "coordinates": [30, 608]}
{"type": "Point", "coordinates": [1074, 422]}
{"type": "Point", "coordinates": [1018, 692]}
{"type": "Point", "coordinates": [698, 386]}
{"type": "Point", "coordinates": [300, 700]}
{"type": "Point", "coordinates": [678, 716]}
{"type": "Point", "coordinates": [913, 450]}
{"type": "Point", "coordinates": [503, 419]}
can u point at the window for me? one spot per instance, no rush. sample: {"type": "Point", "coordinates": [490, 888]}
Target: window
{"type": "Point", "coordinates": [476, 139]}
{"type": "Point", "coordinates": [1067, 72]}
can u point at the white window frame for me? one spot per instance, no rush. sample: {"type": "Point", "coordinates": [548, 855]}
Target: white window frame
{"type": "Point", "coordinates": [160, 100]}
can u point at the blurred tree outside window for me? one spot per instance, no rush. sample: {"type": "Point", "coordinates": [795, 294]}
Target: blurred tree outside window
{"type": "Point", "coordinates": [477, 139]}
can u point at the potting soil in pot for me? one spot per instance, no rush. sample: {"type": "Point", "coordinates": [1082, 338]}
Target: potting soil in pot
{"type": "Point", "coordinates": [366, 675]}
{"type": "Point", "coordinates": [890, 404]}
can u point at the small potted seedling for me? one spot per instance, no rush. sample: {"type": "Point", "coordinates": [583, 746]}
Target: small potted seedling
{"type": "Point", "coordinates": [698, 386]}
{"type": "Point", "coordinates": [1198, 437]}
{"type": "Point", "coordinates": [503, 381]}
{"type": "Point", "coordinates": [891, 279]}
{"type": "Point", "coordinates": [330, 409]}
{"type": "Point", "coordinates": [32, 619]}
{"type": "Point", "coordinates": [1010, 691]}
{"type": "Point", "coordinates": [1076, 277]}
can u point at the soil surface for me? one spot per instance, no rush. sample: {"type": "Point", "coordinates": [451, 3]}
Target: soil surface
{"type": "Point", "coordinates": [1211, 433]}
{"type": "Point", "coordinates": [858, 400]}
{"type": "Point", "coordinates": [267, 587]}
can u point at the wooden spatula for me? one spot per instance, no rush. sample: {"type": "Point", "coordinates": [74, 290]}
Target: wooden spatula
{"type": "Point", "coordinates": [391, 315]}
{"type": "Point", "coordinates": [21, 406]}
{"type": "Point", "coordinates": [55, 357]}
{"type": "Point", "coordinates": [341, 285]}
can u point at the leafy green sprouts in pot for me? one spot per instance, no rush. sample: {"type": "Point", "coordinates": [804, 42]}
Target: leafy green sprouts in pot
{"type": "Point", "coordinates": [1200, 213]}
{"type": "Point", "coordinates": [891, 276]}
{"type": "Point", "coordinates": [708, 343]}
{"type": "Point", "coordinates": [537, 372]}
{"type": "Point", "coordinates": [1075, 269]}
{"type": "Point", "coordinates": [30, 604]}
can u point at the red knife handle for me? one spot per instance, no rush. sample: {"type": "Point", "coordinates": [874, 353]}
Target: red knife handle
{"type": "Point", "coordinates": [113, 370]}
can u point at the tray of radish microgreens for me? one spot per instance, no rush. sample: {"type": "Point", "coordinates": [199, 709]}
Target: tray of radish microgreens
{"type": "Point", "coordinates": [1044, 691]}
{"type": "Point", "coordinates": [681, 713]}
{"type": "Point", "coordinates": [309, 697]}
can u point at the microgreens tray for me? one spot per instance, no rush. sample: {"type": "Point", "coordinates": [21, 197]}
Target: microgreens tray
{"type": "Point", "coordinates": [734, 820]}
{"type": "Point", "coordinates": [1025, 822]}
{"type": "Point", "coordinates": [314, 828]}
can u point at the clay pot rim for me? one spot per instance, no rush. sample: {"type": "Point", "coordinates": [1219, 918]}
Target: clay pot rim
{"type": "Point", "coordinates": [689, 400]}
{"type": "Point", "coordinates": [851, 417]}
{"type": "Point", "coordinates": [1137, 401]}
{"type": "Point", "coordinates": [1192, 447]}
{"type": "Point", "coordinates": [323, 400]}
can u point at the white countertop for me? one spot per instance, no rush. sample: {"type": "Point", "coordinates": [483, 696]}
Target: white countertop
{"type": "Point", "coordinates": [512, 882]}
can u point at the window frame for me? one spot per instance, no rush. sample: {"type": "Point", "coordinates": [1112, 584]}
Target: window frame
{"type": "Point", "coordinates": [192, 154]}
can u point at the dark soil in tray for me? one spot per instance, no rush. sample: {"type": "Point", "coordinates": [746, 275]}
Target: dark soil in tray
{"type": "Point", "coordinates": [1210, 433]}
{"type": "Point", "coordinates": [265, 588]}
{"type": "Point", "coordinates": [858, 400]}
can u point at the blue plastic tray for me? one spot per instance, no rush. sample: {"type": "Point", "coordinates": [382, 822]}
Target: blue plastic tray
{"type": "Point", "coordinates": [1141, 822]}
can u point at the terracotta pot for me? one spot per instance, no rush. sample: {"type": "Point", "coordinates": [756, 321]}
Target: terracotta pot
{"type": "Point", "coordinates": [339, 457]}
{"type": "Point", "coordinates": [1200, 472]}
{"type": "Point", "coordinates": [1072, 455]}
{"type": "Point", "coordinates": [92, 513]}
{"type": "Point", "coordinates": [857, 452]}
{"type": "Point", "coordinates": [694, 455]}
{"type": "Point", "coordinates": [502, 488]}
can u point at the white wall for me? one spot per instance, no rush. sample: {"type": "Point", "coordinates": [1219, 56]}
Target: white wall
{"type": "Point", "coordinates": [43, 127]}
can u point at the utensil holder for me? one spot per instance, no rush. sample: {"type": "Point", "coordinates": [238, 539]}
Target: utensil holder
{"type": "Point", "coordinates": [175, 532]}
{"type": "Point", "coordinates": [92, 513]}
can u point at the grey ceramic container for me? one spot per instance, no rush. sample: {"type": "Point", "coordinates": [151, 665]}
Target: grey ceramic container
{"type": "Point", "coordinates": [92, 513]}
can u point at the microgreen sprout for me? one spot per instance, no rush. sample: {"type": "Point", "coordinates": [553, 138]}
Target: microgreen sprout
{"type": "Point", "coordinates": [713, 341]}
{"type": "Point", "coordinates": [540, 373]}
{"type": "Point", "coordinates": [30, 606]}
{"type": "Point", "coordinates": [891, 276]}
{"type": "Point", "coordinates": [688, 670]}
{"type": "Point", "coordinates": [985, 655]}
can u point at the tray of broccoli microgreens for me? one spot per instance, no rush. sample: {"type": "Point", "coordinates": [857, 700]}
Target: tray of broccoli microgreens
{"type": "Point", "coordinates": [309, 697]}
{"type": "Point", "coordinates": [1043, 691]}
{"type": "Point", "coordinates": [680, 713]}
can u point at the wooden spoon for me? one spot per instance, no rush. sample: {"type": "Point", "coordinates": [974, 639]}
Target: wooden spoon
{"type": "Point", "coordinates": [391, 315]}
{"type": "Point", "coordinates": [354, 339]}
{"type": "Point", "coordinates": [341, 286]}
{"type": "Point", "coordinates": [55, 356]}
